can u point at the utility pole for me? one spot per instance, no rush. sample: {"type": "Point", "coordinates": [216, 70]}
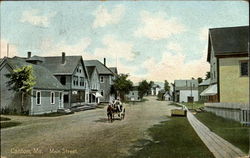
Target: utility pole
{"type": "Point", "coordinates": [7, 50]}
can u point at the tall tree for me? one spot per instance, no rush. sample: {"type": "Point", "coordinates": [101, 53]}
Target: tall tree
{"type": "Point", "coordinates": [21, 80]}
{"type": "Point", "coordinates": [143, 88]}
{"type": "Point", "coordinates": [207, 75]}
{"type": "Point", "coordinates": [199, 79]}
{"type": "Point", "coordinates": [122, 85]}
{"type": "Point", "coordinates": [166, 86]}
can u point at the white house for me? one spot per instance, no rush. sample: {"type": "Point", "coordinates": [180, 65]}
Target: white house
{"type": "Point", "coordinates": [186, 90]}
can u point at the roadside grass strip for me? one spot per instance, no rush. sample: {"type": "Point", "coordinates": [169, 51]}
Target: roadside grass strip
{"type": "Point", "coordinates": [171, 139]}
{"type": "Point", "coordinates": [7, 124]}
{"type": "Point", "coordinates": [230, 130]}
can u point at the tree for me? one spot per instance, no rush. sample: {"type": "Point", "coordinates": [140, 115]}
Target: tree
{"type": "Point", "coordinates": [143, 88]}
{"type": "Point", "coordinates": [199, 79]}
{"type": "Point", "coordinates": [207, 75]}
{"type": "Point", "coordinates": [21, 80]}
{"type": "Point", "coordinates": [166, 86]}
{"type": "Point", "coordinates": [122, 85]}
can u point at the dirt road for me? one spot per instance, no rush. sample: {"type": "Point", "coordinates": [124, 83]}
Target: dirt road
{"type": "Point", "coordinates": [83, 134]}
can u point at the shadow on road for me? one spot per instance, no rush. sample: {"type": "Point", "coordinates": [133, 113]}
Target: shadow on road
{"type": "Point", "coordinates": [105, 120]}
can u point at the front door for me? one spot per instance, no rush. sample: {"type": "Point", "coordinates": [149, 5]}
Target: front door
{"type": "Point", "coordinates": [190, 99]}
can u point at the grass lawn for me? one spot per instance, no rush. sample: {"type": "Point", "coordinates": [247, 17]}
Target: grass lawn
{"type": "Point", "coordinates": [230, 130]}
{"type": "Point", "coordinates": [6, 124]}
{"type": "Point", "coordinates": [4, 118]}
{"type": "Point", "coordinates": [173, 138]}
{"type": "Point", "coordinates": [195, 105]}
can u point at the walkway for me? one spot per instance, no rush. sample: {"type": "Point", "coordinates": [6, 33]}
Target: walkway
{"type": "Point", "coordinates": [217, 145]}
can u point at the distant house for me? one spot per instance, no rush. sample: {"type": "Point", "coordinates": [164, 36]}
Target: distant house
{"type": "Point", "coordinates": [186, 90]}
{"type": "Point", "coordinates": [133, 95]}
{"type": "Point", "coordinates": [229, 63]}
{"type": "Point", "coordinates": [71, 72]}
{"type": "Point", "coordinates": [105, 77]}
{"type": "Point", "coordinates": [94, 82]}
{"type": "Point", "coordinates": [202, 90]}
{"type": "Point", "coordinates": [167, 96]}
{"type": "Point", "coordinates": [46, 96]}
{"type": "Point", "coordinates": [155, 89]}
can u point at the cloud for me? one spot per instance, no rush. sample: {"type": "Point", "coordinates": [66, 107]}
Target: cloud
{"type": "Point", "coordinates": [113, 48]}
{"type": "Point", "coordinates": [3, 49]}
{"type": "Point", "coordinates": [104, 17]}
{"type": "Point", "coordinates": [49, 48]}
{"type": "Point", "coordinates": [173, 66]}
{"type": "Point", "coordinates": [32, 17]}
{"type": "Point", "coordinates": [174, 46]}
{"type": "Point", "coordinates": [156, 26]}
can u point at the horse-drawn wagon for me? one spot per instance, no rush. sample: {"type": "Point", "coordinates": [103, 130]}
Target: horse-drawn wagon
{"type": "Point", "coordinates": [115, 108]}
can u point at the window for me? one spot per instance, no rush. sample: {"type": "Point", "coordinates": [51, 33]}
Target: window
{"type": "Point", "coordinates": [80, 70]}
{"type": "Point", "coordinates": [102, 92]}
{"type": "Point", "coordinates": [133, 93]}
{"type": "Point", "coordinates": [244, 68]}
{"type": "Point", "coordinates": [75, 80]}
{"type": "Point", "coordinates": [82, 81]}
{"type": "Point", "coordinates": [38, 97]}
{"type": "Point", "coordinates": [52, 97]}
{"type": "Point", "coordinates": [101, 79]}
{"type": "Point", "coordinates": [63, 80]}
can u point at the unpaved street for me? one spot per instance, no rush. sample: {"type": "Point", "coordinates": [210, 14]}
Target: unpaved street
{"type": "Point", "coordinates": [83, 134]}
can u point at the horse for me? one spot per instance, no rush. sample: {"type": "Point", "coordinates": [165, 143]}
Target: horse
{"type": "Point", "coordinates": [118, 109]}
{"type": "Point", "coordinates": [110, 113]}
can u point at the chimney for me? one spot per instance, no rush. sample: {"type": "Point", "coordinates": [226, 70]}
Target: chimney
{"type": "Point", "coordinates": [104, 61]}
{"type": "Point", "coordinates": [29, 54]}
{"type": "Point", "coordinates": [63, 57]}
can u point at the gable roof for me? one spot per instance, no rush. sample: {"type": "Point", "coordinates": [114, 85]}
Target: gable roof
{"type": "Point", "coordinates": [102, 69]}
{"type": "Point", "coordinates": [90, 70]}
{"type": "Point", "coordinates": [54, 64]}
{"type": "Point", "coordinates": [205, 82]}
{"type": "Point", "coordinates": [114, 70]}
{"type": "Point", "coordinates": [44, 78]}
{"type": "Point", "coordinates": [228, 41]}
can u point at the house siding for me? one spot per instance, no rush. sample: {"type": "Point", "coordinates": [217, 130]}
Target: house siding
{"type": "Point", "coordinates": [106, 87]}
{"type": "Point", "coordinates": [45, 106]}
{"type": "Point", "coordinates": [76, 93]}
{"type": "Point", "coordinates": [133, 94]}
{"type": "Point", "coordinates": [9, 99]}
{"type": "Point", "coordinates": [233, 87]}
{"type": "Point", "coordinates": [185, 93]}
{"type": "Point", "coordinates": [213, 68]}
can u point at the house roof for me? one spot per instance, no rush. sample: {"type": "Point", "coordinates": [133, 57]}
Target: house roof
{"type": "Point", "coordinates": [114, 70]}
{"type": "Point", "coordinates": [205, 83]}
{"type": "Point", "coordinates": [228, 41]}
{"type": "Point", "coordinates": [102, 69]}
{"type": "Point", "coordinates": [36, 58]}
{"type": "Point", "coordinates": [44, 78]}
{"type": "Point", "coordinates": [90, 70]}
{"type": "Point", "coordinates": [54, 64]}
{"type": "Point", "coordinates": [185, 84]}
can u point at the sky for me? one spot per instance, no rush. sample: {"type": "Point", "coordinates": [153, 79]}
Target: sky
{"type": "Point", "coordinates": [153, 40]}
